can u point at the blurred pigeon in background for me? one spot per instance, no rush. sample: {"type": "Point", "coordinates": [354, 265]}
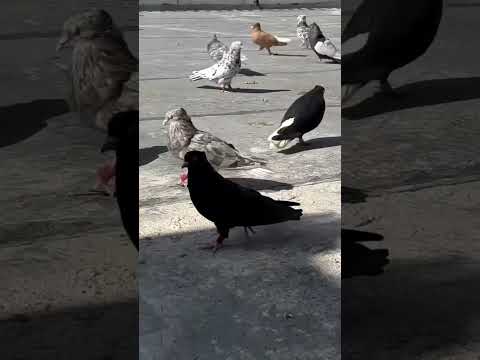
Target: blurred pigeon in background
{"type": "Point", "coordinates": [303, 31]}
{"type": "Point", "coordinates": [323, 47]}
{"type": "Point", "coordinates": [395, 35]}
{"type": "Point", "coordinates": [266, 40]}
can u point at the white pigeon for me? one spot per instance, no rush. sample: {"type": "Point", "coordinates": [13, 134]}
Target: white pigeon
{"type": "Point", "coordinates": [302, 31]}
{"type": "Point", "coordinates": [225, 70]}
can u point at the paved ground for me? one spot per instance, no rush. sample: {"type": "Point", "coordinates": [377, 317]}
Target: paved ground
{"type": "Point", "coordinates": [277, 295]}
{"type": "Point", "coordinates": [68, 271]}
{"type": "Point", "coordinates": [416, 160]}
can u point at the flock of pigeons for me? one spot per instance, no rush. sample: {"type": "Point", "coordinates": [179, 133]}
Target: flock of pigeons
{"type": "Point", "coordinates": [102, 81]}
{"type": "Point", "coordinates": [220, 200]}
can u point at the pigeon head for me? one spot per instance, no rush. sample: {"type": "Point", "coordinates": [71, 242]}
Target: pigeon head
{"type": "Point", "coordinates": [121, 126]}
{"type": "Point", "coordinates": [319, 89]}
{"type": "Point", "coordinates": [176, 114]}
{"type": "Point", "coordinates": [86, 25]}
{"type": "Point", "coordinates": [196, 160]}
{"type": "Point", "coordinates": [236, 45]}
{"type": "Point", "coordinates": [214, 37]}
{"type": "Point", "coordinates": [256, 27]}
{"type": "Point", "coordinates": [301, 20]}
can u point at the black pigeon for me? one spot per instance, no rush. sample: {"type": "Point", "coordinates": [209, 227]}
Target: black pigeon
{"type": "Point", "coordinates": [397, 35]}
{"type": "Point", "coordinates": [322, 46]}
{"type": "Point", "coordinates": [123, 139]}
{"type": "Point", "coordinates": [228, 204]}
{"type": "Point", "coordinates": [304, 115]}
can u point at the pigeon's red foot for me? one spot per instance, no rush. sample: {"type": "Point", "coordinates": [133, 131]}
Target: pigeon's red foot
{"type": "Point", "coordinates": [105, 181]}
{"type": "Point", "coordinates": [215, 246]}
{"type": "Point", "coordinates": [184, 178]}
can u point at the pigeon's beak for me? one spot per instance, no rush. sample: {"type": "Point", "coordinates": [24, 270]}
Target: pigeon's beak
{"type": "Point", "coordinates": [111, 144]}
{"type": "Point", "coordinates": [62, 43]}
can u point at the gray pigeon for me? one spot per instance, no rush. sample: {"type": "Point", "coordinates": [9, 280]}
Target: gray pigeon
{"type": "Point", "coordinates": [302, 31]}
{"type": "Point", "coordinates": [225, 70]}
{"type": "Point", "coordinates": [101, 63]}
{"type": "Point", "coordinates": [183, 137]}
{"type": "Point", "coordinates": [216, 49]}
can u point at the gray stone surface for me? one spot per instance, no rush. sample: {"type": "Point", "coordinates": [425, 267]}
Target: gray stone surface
{"type": "Point", "coordinates": [416, 158]}
{"type": "Point", "coordinates": [277, 294]}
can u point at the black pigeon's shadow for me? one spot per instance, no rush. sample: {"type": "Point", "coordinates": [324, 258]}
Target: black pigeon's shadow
{"type": "Point", "coordinates": [313, 144]}
{"type": "Point", "coordinates": [245, 91]}
{"type": "Point", "coordinates": [248, 72]}
{"type": "Point", "coordinates": [291, 55]}
{"type": "Point", "coordinates": [149, 154]}
{"type": "Point", "coordinates": [21, 121]}
{"type": "Point", "coordinates": [423, 93]}
{"type": "Point", "coordinates": [358, 259]}
{"type": "Point", "coordinates": [353, 196]}
{"type": "Point", "coordinates": [262, 184]}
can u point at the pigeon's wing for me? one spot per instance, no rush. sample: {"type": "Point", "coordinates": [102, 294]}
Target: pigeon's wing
{"type": "Point", "coordinates": [209, 73]}
{"type": "Point", "coordinates": [361, 20]}
{"type": "Point", "coordinates": [219, 152]}
{"type": "Point", "coordinates": [326, 48]}
{"type": "Point", "coordinates": [250, 208]}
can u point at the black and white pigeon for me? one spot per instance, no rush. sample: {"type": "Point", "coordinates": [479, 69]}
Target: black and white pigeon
{"type": "Point", "coordinates": [225, 70]}
{"type": "Point", "coordinates": [123, 139]}
{"type": "Point", "coordinates": [383, 36]}
{"type": "Point", "coordinates": [303, 31]}
{"type": "Point", "coordinates": [228, 204]}
{"type": "Point", "coordinates": [183, 137]}
{"type": "Point", "coordinates": [216, 49]}
{"type": "Point", "coordinates": [322, 46]}
{"type": "Point", "coordinates": [101, 65]}
{"type": "Point", "coordinates": [304, 115]}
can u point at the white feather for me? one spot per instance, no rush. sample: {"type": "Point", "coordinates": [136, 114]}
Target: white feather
{"type": "Point", "coordinates": [285, 40]}
{"type": "Point", "coordinates": [279, 144]}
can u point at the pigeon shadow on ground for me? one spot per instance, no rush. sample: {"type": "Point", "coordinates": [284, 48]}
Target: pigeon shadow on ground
{"type": "Point", "coordinates": [23, 120]}
{"type": "Point", "coordinates": [245, 91]}
{"type": "Point", "coordinates": [261, 184]}
{"type": "Point", "coordinates": [358, 259]}
{"type": "Point", "coordinates": [353, 196]}
{"type": "Point", "coordinates": [99, 326]}
{"type": "Point", "coordinates": [318, 232]}
{"type": "Point", "coordinates": [408, 310]}
{"type": "Point", "coordinates": [313, 144]}
{"type": "Point", "coordinates": [248, 72]}
{"type": "Point", "coordinates": [291, 55]}
{"type": "Point", "coordinates": [149, 154]}
{"type": "Point", "coordinates": [423, 93]}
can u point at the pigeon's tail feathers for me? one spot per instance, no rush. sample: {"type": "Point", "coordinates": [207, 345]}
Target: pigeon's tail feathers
{"type": "Point", "coordinates": [278, 141]}
{"type": "Point", "coordinates": [197, 75]}
{"type": "Point", "coordinates": [282, 41]}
